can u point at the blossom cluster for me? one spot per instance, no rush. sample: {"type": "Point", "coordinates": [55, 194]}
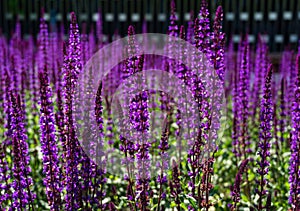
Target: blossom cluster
{"type": "Point", "coordinates": [54, 157]}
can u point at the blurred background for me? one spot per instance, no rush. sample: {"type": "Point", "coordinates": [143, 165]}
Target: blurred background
{"type": "Point", "coordinates": [277, 20]}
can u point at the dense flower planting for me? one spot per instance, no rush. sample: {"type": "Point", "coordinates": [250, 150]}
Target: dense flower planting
{"type": "Point", "coordinates": [253, 165]}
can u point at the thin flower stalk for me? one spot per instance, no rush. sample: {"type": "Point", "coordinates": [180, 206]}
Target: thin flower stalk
{"type": "Point", "coordinates": [294, 168]}
{"type": "Point", "coordinates": [265, 136]}
{"type": "Point", "coordinates": [72, 67]}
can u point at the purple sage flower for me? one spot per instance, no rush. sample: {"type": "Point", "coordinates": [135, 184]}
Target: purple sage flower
{"type": "Point", "coordinates": [294, 170]}
{"type": "Point", "coordinates": [265, 135]}
{"type": "Point", "coordinates": [236, 189]}
{"type": "Point", "coordinates": [47, 127]}
{"type": "Point", "coordinates": [22, 196]}
{"type": "Point", "coordinates": [72, 67]}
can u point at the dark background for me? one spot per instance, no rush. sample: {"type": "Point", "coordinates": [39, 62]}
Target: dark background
{"type": "Point", "coordinates": [278, 19]}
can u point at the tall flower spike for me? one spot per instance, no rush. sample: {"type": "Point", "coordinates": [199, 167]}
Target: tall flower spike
{"type": "Point", "coordinates": [172, 47]}
{"type": "Point", "coordinates": [60, 118]}
{"type": "Point", "coordinates": [14, 70]}
{"type": "Point", "coordinates": [230, 69]}
{"type": "Point", "coordinates": [54, 58]}
{"type": "Point", "coordinates": [292, 75]}
{"type": "Point", "coordinates": [258, 77]}
{"type": "Point", "coordinates": [127, 146]}
{"type": "Point", "coordinates": [283, 114]}
{"type": "Point", "coordinates": [184, 74]}
{"type": "Point", "coordinates": [163, 163]}
{"type": "Point", "coordinates": [236, 190]}
{"type": "Point", "coordinates": [182, 71]}
{"type": "Point", "coordinates": [4, 177]}
{"type": "Point", "coordinates": [23, 77]}
{"type": "Point", "coordinates": [49, 145]}
{"type": "Point", "coordinates": [34, 87]}
{"type": "Point", "coordinates": [22, 196]}
{"type": "Point", "coordinates": [131, 63]}
{"type": "Point", "coordinates": [218, 44]}
{"type": "Point", "coordinates": [202, 29]}
{"type": "Point", "coordinates": [43, 47]}
{"type": "Point", "coordinates": [235, 124]}
{"type": "Point", "coordinates": [265, 136]}
{"type": "Point", "coordinates": [200, 95]}
{"type": "Point", "coordinates": [173, 28]}
{"type": "Point", "coordinates": [140, 121]}
{"type": "Point", "coordinates": [243, 112]}
{"type": "Point", "coordinates": [7, 106]}
{"type": "Point", "coordinates": [47, 127]}
{"type": "Point", "coordinates": [294, 169]}
{"type": "Point", "coordinates": [100, 179]}
{"type": "Point", "coordinates": [2, 66]}
{"type": "Point", "coordinates": [175, 186]}
{"type": "Point", "coordinates": [99, 113]}
{"type": "Point", "coordinates": [72, 67]}
{"type": "Point", "coordinates": [89, 131]}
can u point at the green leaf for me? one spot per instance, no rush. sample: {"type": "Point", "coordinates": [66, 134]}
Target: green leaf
{"type": "Point", "coordinates": [244, 198]}
{"type": "Point", "coordinates": [192, 201]}
{"type": "Point", "coordinates": [154, 206]}
{"type": "Point", "coordinates": [183, 206]}
{"type": "Point", "coordinates": [173, 204]}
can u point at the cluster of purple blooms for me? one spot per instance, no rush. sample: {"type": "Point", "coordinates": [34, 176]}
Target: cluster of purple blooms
{"type": "Point", "coordinates": [38, 94]}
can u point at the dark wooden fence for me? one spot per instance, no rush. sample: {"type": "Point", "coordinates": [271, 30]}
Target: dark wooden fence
{"type": "Point", "coordinates": [278, 20]}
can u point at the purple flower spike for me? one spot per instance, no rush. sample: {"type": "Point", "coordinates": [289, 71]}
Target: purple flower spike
{"type": "Point", "coordinates": [243, 112]}
{"type": "Point", "coordinates": [4, 177]}
{"type": "Point", "coordinates": [131, 63]}
{"type": "Point", "coordinates": [173, 28]}
{"type": "Point", "coordinates": [265, 136]}
{"type": "Point", "coordinates": [235, 124]}
{"type": "Point", "coordinates": [259, 76]}
{"type": "Point", "coordinates": [218, 44]}
{"type": "Point", "coordinates": [294, 169]}
{"type": "Point", "coordinates": [72, 67]}
{"type": "Point", "coordinates": [47, 125]}
{"type": "Point", "coordinates": [139, 107]}
{"type": "Point", "coordinates": [100, 169]}
{"type": "Point", "coordinates": [49, 145]}
{"type": "Point", "coordinates": [172, 47]}
{"type": "Point", "coordinates": [202, 29]}
{"type": "Point", "coordinates": [163, 163]}
{"type": "Point", "coordinates": [236, 190]}
{"type": "Point", "coordinates": [182, 71]}
{"type": "Point", "coordinates": [283, 111]}
{"type": "Point", "coordinates": [7, 106]}
{"type": "Point", "coordinates": [22, 196]}
{"type": "Point", "coordinates": [175, 186]}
